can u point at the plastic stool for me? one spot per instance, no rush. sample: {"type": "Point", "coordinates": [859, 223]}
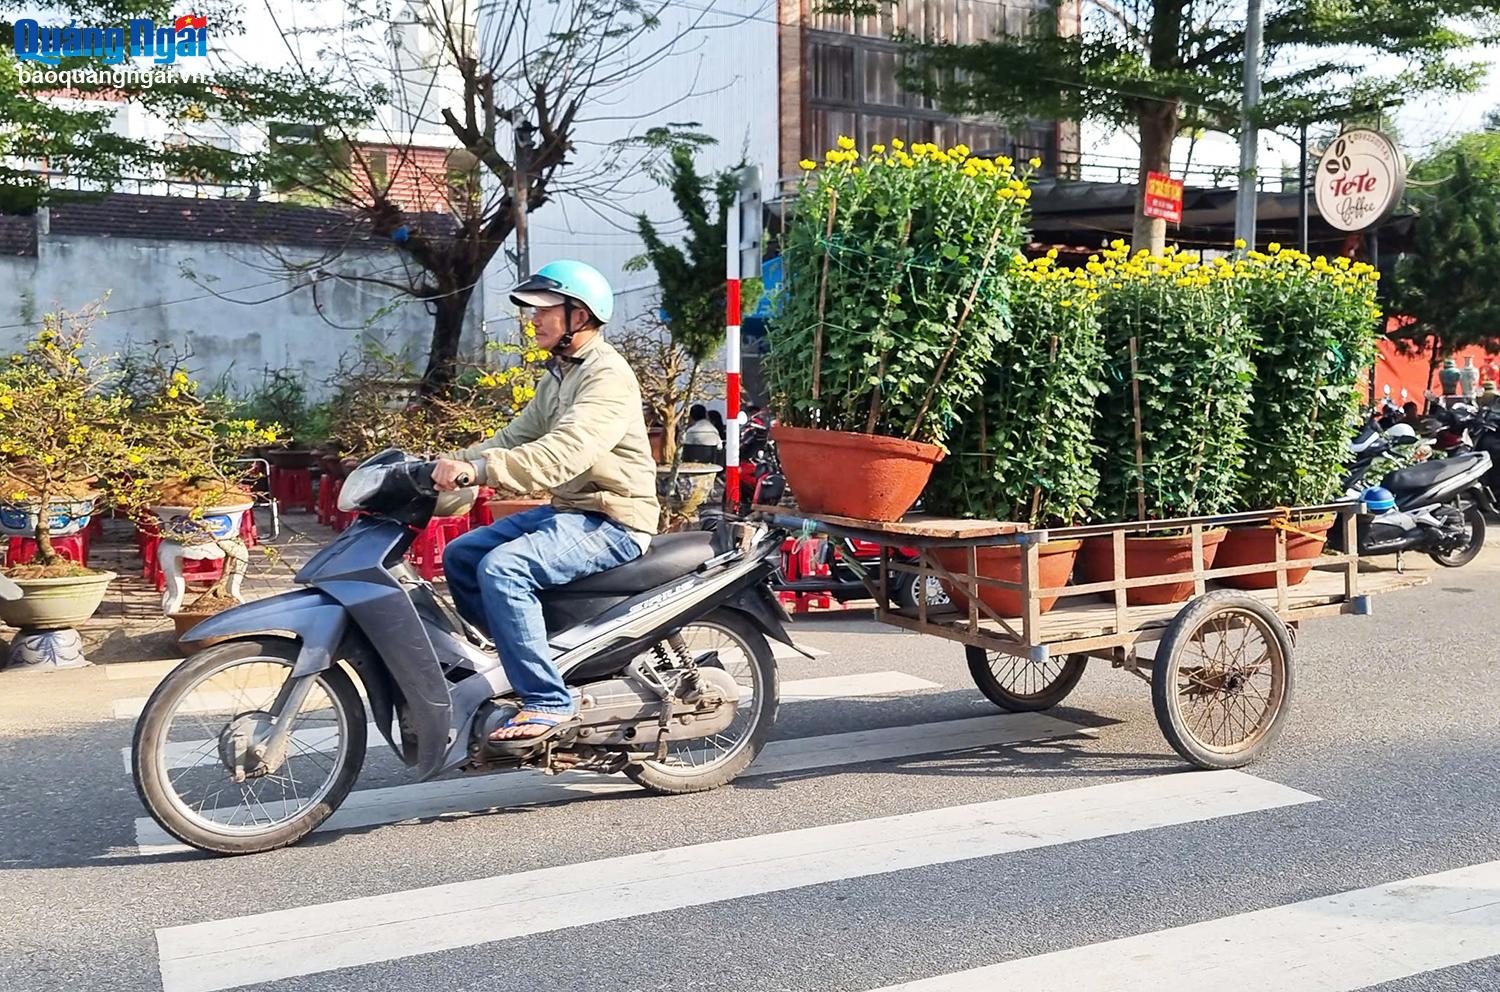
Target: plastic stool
{"type": "Point", "coordinates": [74, 547]}
{"type": "Point", "coordinates": [293, 487]}
{"type": "Point", "coordinates": [427, 550]}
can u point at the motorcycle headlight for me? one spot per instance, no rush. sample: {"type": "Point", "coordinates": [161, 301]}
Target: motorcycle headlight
{"type": "Point", "coordinates": [360, 485]}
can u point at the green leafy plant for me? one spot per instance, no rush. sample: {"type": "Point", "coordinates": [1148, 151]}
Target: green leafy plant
{"type": "Point", "coordinates": [1315, 328]}
{"type": "Point", "coordinates": [1026, 451]}
{"type": "Point", "coordinates": [897, 287]}
{"type": "Point", "coordinates": [1171, 422]}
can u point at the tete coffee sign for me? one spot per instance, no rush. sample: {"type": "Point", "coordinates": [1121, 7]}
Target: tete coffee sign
{"type": "Point", "coordinates": [1361, 177]}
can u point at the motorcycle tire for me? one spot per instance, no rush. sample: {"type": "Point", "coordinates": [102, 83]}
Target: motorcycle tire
{"type": "Point", "coordinates": [670, 779]}
{"type": "Point", "coordinates": [151, 749]}
{"type": "Point", "coordinates": [1474, 519]}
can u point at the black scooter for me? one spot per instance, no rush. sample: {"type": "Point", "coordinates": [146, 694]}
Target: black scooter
{"type": "Point", "coordinates": [257, 738]}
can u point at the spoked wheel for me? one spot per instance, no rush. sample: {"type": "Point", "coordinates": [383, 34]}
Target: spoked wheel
{"type": "Point", "coordinates": [200, 759]}
{"type": "Point", "coordinates": [1020, 685]}
{"type": "Point", "coordinates": [1222, 680]}
{"type": "Point", "coordinates": [729, 641]}
{"type": "Point", "coordinates": [1473, 532]}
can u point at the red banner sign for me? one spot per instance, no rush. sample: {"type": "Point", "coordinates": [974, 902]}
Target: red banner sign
{"type": "Point", "coordinates": [1163, 197]}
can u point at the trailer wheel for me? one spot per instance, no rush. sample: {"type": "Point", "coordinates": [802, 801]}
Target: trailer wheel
{"type": "Point", "coordinates": [1020, 685]}
{"type": "Point", "coordinates": [1221, 684]}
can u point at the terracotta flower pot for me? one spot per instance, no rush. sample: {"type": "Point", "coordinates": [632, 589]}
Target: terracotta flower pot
{"type": "Point", "coordinates": [864, 476]}
{"type": "Point", "coordinates": [506, 507]}
{"type": "Point", "coordinates": [1255, 545]}
{"type": "Point", "coordinates": [1054, 563]}
{"type": "Point", "coordinates": [1148, 556]}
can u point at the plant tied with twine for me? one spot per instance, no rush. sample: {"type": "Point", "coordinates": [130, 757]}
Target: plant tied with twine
{"type": "Point", "coordinates": [897, 286]}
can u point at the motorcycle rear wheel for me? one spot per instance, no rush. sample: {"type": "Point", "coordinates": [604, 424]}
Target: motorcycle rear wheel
{"type": "Point", "coordinates": [700, 764]}
{"type": "Point", "coordinates": [1474, 522]}
{"type": "Point", "coordinates": [165, 765]}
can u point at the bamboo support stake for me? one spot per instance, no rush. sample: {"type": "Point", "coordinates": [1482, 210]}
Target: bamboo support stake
{"type": "Point", "coordinates": [1140, 454]}
{"type": "Point", "coordinates": [817, 358]}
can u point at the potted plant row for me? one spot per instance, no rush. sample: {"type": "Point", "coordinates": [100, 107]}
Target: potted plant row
{"type": "Point", "coordinates": [898, 289]}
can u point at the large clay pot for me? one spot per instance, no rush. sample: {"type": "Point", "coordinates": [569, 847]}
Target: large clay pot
{"type": "Point", "coordinates": [47, 604]}
{"type": "Point", "coordinates": [291, 458]}
{"type": "Point", "coordinates": [507, 507]}
{"type": "Point", "coordinates": [1054, 565]}
{"type": "Point", "coordinates": [1255, 545]}
{"type": "Point", "coordinates": [187, 524]}
{"type": "Point", "coordinates": [864, 476]}
{"type": "Point", "coordinates": [1148, 556]}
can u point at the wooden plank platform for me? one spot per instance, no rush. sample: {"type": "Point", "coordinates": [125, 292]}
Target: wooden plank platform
{"type": "Point", "coordinates": [1090, 617]}
{"type": "Point", "coordinates": [916, 525]}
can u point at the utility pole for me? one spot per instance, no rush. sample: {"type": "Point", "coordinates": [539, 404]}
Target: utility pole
{"type": "Point", "coordinates": [1244, 207]}
{"type": "Point", "coordinates": [520, 192]}
{"type": "Point", "coordinates": [1302, 193]}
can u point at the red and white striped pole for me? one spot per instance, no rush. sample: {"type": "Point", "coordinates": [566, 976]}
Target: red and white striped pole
{"type": "Point", "coordinates": [732, 361]}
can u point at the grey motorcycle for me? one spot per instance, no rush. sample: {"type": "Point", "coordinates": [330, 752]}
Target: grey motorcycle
{"type": "Point", "coordinates": [256, 739]}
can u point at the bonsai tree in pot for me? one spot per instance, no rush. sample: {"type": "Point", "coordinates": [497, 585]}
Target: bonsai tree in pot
{"type": "Point", "coordinates": [1026, 451]}
{"type": "Point", "coordinates": [1315, 324]}
{"type": "Point", "coordinates": [1171, 421]}
{"type": "Point", "coordinates": [62, 435]}
{"type": "Point", "coordinates": [897, 287]}
{"type": "Point", "coordinates": [190, 474]}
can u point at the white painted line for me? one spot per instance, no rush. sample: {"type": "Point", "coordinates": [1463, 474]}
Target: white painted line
{"type": "Point", "coordinates": [157, 670]}
{"type": "Point", "coordinates": [829, 687]}
{"type": "Point", "coordinates": [266, 947]}
{"type": "Point", "coordinates": [863, 684]}
{"type": "Point", "coordinates": [1352, 940]}
{"type": "Point", "coordinates": [479, 794]}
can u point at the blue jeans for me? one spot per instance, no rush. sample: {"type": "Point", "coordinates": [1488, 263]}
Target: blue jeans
{"type": "Point", "coordinates": [494, 574]}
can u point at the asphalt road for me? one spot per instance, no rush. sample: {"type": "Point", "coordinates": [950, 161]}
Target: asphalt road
{"type": "Point", "coordinates": [1079, 854]}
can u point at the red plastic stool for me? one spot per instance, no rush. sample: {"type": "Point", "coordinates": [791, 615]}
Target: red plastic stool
{"type": "Point", "coordinates": [249, 533]}
{"type": "Point", "coordinates": [74, 547]}
{"type": "Point", "coordinates": [800, 564]}
{"type": "Point", "coordinates": [203, 571]}
{"type": "Point", "coordinates": [292, 487]}
{"type": "Point", "coordinates": [427, 550]}
{"type": "Point", "coordinates": [147, 537]}
{"type": "Point", "coordinates": [328, 499]}
{"type": "Point", "coordinates": [481, 515]}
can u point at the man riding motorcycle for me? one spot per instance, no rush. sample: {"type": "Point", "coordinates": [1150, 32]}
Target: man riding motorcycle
{"type": "Point", "coordinates": [583, 439]}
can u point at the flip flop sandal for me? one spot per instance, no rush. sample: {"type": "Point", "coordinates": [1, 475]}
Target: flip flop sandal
{"type": "Point", "coordinates": [555, 725]}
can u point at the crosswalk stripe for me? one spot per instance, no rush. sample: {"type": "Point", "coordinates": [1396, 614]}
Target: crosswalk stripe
{"type": "Point", "coordinates": [183, 754]}
{"type": "Point", "coordinates": [159, 670]}
{"type": "Point", "coordinates": [828, 687]}
{"type": "Point", "coordinates": [460, 796]}
{"type": "Point", "coordinates": [1351, 940]}
{"type": "Point", "coordinates": [266, 947]}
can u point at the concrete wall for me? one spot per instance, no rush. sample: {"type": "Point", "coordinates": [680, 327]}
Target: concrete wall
{"type": "Point", "coordinates": [275, 320]}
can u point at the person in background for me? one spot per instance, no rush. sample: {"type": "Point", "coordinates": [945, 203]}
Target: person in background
{"type": "Point", "coordinates": [700, 429]}
{"type": "Point", "coordinates": [717, 419]}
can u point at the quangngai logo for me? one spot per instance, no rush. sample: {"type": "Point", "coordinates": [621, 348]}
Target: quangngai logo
{"type": "Point", "coordinates": [187, 37]}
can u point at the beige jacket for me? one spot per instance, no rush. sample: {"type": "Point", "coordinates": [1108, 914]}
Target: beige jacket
{"type": "Point", "coordinates": [582, 437]}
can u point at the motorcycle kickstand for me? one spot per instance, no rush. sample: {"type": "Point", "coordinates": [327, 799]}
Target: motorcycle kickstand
{"type": "Point", "coordinates": [1400, 563]}
{"type": "Point", "coordinates": [664, 723]}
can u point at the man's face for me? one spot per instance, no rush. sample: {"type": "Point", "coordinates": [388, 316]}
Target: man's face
{"type": "Point", "coordinates": [552, 324]}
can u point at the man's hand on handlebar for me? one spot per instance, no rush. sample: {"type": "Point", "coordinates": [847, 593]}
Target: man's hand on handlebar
{"type": "Point", "coordinates": [449, 474]}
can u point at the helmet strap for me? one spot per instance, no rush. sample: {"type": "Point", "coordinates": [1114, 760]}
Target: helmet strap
{"type": "Point", "coordinates": [567, 338]}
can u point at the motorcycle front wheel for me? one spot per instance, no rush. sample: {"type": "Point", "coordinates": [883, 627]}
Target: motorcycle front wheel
{"type": "Point", "coordinates": [198, 733]}
{"type": "Point", "coordinates": [1474, 527]}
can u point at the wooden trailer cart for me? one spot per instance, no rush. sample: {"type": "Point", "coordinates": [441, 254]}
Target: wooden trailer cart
{"type": "Point", "coordinates": [1221, 672]}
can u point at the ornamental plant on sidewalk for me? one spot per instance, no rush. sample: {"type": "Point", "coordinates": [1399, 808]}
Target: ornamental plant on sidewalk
{"type": "Point", "coordinates": [1026, 451]}
{"type": "Point", "coordinates": [897, 287]}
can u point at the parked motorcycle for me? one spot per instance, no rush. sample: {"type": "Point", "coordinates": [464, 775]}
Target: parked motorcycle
{"type": "Point", "coordinates": [257, 738]}
{"type": "Point", "coordinates": [1435, 507]}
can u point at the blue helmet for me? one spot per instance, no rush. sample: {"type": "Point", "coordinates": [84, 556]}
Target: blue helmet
{"type": "Point", "coordinates": [1378, 499]}
{"type": "Point", "coordinates": [569, 279]}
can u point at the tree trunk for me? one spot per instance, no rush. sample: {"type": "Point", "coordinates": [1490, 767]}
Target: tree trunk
{"type": "Point", "coordinates": [447, 338]}
{"type": "Point", "coordinates": [1158, 126]}
{"type": "Point", "coordinates": [46, 554]}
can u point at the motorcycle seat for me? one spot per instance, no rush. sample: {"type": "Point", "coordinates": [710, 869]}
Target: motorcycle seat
{"type": "Point", "coordinates": [1415, 479]}
{"type": "Point", "coordinates": [669, 556]}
